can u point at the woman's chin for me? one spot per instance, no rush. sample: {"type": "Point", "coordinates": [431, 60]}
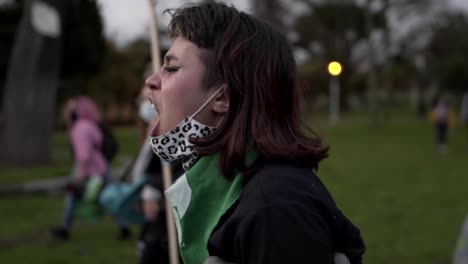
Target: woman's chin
{"type": "Point", "coordinates": [159, 129]}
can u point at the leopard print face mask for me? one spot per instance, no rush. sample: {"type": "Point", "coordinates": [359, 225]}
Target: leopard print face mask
{"type": "Point", "coordinates": [176, 144]}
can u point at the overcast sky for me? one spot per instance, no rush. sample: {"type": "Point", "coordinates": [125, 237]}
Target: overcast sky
{"type": "Point", "coordinates": [125, 20]}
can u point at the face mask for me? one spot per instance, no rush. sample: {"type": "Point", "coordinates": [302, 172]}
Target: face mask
{"type": "Point", "coordinates": [146, 111]}
{"type": "Point", "coordinates": [175, 144]}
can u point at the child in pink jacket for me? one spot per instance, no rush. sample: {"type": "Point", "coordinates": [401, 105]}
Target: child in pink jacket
{"type": "Point", "coordinates": [83, 119]}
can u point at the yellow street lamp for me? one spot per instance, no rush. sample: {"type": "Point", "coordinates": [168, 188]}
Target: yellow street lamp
{"type": "Point", "coordinates": [335, 68]}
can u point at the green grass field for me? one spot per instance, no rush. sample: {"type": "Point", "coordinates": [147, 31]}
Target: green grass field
{"type": "Point", "coordinates": [408, 200]}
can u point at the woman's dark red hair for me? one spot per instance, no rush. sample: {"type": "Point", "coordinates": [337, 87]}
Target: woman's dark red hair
{"type": "Point", "coordinates": [257, 65]}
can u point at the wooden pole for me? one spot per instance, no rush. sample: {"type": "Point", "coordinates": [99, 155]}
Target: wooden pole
{"type": "Point", "coordinates": [155, 50]}
{"type": "Point", "coordinates": [167, 173]}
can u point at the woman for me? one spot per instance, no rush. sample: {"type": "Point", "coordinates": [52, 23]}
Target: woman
{"type": "Point", "coordinates": [229, 106]}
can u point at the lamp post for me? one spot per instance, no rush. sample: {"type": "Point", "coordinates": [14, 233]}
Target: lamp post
{"type": "Point", "coordinates": [334, 69]}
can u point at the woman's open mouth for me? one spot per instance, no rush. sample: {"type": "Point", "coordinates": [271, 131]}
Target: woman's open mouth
{"type": "Point", "coordinates": [154, 105]}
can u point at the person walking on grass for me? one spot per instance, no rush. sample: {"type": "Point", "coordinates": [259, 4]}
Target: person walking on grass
{"type": "Point", "coordinates": [443, 119]}
{"type": "Point", "coordinates": [86, 138]}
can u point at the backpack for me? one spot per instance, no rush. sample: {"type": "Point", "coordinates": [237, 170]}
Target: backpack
{"type": "Point", "coordinates": [109, 145]}
{"type": "Point", "coordinates": [122, 200]}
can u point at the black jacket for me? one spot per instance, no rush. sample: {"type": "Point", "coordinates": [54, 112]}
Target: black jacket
{"type": "Point", "coordinates": [285, 215]}
{"type": "Point", "coordinates": [152, 246]}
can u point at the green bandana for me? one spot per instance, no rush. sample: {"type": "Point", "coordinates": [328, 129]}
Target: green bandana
{"type": "Point", "coordinates": [199, 198]}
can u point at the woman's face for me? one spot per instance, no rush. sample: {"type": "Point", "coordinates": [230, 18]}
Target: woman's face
{"type": "Point", "coordinates": [177, 90]}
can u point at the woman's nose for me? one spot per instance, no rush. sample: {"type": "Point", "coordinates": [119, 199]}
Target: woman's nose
{"type": "Point", "coordinates": [153, 82]}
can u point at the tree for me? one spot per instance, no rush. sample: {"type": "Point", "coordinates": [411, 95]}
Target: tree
{"type": "Point", "coordinates": [121, 77]}
{"type": "Point", "coordinates": [10, 15]}
{"type": "Point", "coordinates": [407, 10]}
{"type": "Point", "coordinates": [270, 11]}
{"type": "Point", "coordinates": [42, 62]}
{"type": "Point", "coordinates": [32, 78]}
{"type": "Point", "coordinates": [447, 52]}
{"type": "Point", "coordinates": [84, 49]}
{"type": "Point", "coordinates": [401, 9]}
{"type": "Point", "coordinates": [372, 75]}
{"type": "Point", "coordinates": [333, 31]}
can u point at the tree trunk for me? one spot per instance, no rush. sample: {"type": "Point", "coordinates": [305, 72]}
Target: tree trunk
{"type": "Point", "coordinates": [371, 76]}
{"type": "Point", "coordinates": [387, 69]}
{"type": "Point", "coordinates": [29, 99]}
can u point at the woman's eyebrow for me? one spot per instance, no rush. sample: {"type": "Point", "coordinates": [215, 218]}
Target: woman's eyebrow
{"type": "Point", "coordinates": [169, 57]}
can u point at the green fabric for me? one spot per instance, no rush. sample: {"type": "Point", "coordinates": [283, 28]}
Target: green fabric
{"type": "Point", "coordinates": [211, 196]}
{"type": "Point", "coordinates": [87, 207]}
{"type": "Point", "coordinates": [88, 210]}
{"type": "Point", "coordinates": [93, 187]}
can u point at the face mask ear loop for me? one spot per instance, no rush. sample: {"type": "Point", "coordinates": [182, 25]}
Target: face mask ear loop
{"type": "Point", "coordinates": [221, 120]}
{"type": "Point", "coordinates": [207, 102]}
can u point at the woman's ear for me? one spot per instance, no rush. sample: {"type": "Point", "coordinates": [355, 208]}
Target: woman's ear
{"type": "Point", "coordinates": [221, 102]}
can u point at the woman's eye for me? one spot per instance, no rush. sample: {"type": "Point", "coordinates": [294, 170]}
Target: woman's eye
{"type": "Point", "coordinates": [170, 69]}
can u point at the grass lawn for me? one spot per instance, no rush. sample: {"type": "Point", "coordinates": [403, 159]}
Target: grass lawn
{"type": "Point", "coordinates": [408, 200]}
{"type": "Point", "coordinates": [25, 221]}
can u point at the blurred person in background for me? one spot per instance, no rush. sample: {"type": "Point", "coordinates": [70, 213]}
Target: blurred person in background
{"type": "Point", "coordinates": [86, 137]}
{"type": "Point", "coordinates": [464, 112]}
{"type": "Point", "coordinates": [228, 106]}
{"type": "Point", "coordinates": [152, 246]}
{"type": "Point", "coordinates": [443, 119]}
{"type": "Point", "coordinates": [147, 116]}
{"type": "Point", "coordinates": [146, 111]}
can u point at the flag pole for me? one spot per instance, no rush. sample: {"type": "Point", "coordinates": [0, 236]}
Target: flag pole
{"type": "Point", "coordinates": [166, 166]}
{"type": "Point", "coordinates": [155, 50]}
